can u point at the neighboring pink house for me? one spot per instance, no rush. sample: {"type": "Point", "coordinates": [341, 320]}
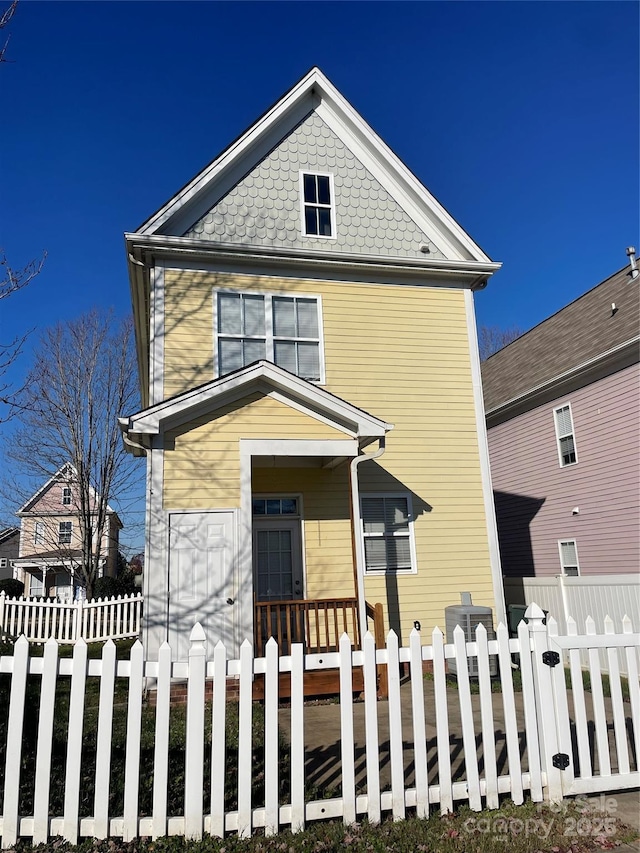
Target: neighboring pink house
{"type": "Point", "coordinates": [51, 537]}
{"type": "Point", "coordinates": [562, 408]}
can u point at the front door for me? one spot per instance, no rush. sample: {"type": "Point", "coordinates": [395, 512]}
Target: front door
{"type": "Point", "coordinates": [201, 582]}
{"type": "Point", "coordinates": [277, 559]}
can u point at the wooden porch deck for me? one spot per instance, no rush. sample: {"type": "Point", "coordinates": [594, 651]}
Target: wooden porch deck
{"type": "Point", "coordinates": [317, 623]}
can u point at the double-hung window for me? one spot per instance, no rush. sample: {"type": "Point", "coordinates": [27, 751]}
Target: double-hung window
{"type": "Point", "coordinates": [564, 433]}
{"type": "Point", "coordinates": [318, 218]}
{"type": "Point", "coordinates": [281, 329]}
{"type": "Point", "coordinates": [66, 496]}
{"type": "Point", "coordinates": [64, 532]}
{"type": "Point", "coordinates": [387, 530]}
{"type": "Point", "coordinates": [38, 536]}
{"type": "Point", "coordinates": [569, 558]}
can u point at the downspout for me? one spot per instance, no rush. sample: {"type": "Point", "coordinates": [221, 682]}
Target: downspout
{"type": "Point", "coordinates": [357, 534]}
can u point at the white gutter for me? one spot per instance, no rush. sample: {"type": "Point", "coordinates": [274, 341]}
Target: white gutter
{"type": "Point", "coordinates": [357, 538]}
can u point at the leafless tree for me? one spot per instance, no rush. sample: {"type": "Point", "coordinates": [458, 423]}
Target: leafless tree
{"type": "Point", "coordinates": [493, 338]}
{"type": "Point", "coordinates": [83, 378]}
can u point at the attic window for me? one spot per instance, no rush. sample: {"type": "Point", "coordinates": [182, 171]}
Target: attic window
{"type": "Point", "coordinates": [318, 213]}
{"type": "Point", "coordinates": [66, 496]}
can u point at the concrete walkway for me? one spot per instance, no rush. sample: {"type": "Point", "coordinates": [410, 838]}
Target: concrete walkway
{"type": "Point", "coordinates": [323, 749]}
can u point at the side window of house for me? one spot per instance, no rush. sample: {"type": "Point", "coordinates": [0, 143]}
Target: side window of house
{"type": "Point", "coordinates": [565, 436]}
{"type": "Point", "coordinates": [387, 530]}
{"type": "Point", "coordinates": [38, 535]}
{"type": "Point", "coordinates": [281, 329]}
{"type": "Point", "coordinates": [36, 585]}
{"type": "Point", "coordinates": [318, 213]}
{"type": "Point", "coordinates": [64, 532]}
{"type": "Point", "coordinates": [569, 558]}
{"type": "Point", "coordinates": [66, 496]}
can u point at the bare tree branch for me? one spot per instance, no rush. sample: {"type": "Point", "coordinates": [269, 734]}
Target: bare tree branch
{"type": "Point", "coordinates": [493, 338]}
{"type": "Point", "coordinates": [5, 18]}
{"type": "Point", "coordinates": [82, 379]}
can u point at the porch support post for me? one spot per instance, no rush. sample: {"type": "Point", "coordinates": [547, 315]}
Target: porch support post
{"type": "Point", "coordinates": [358, 544]}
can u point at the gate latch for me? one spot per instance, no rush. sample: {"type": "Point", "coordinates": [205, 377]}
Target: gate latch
{"type": "Point", "coordinates": [551, 658]}
{"type": "Point", "coordinates": [560, 760]}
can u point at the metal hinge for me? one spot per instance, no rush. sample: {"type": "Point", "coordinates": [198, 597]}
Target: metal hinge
{"type": "Point", "coordinates": [560, 760]}
{"type": "Point", "coordinates": [551, 658]}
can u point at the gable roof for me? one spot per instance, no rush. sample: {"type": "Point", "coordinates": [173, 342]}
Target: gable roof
{"type": "Point", "coordinates": [585, 336]}
{"type": "Point", "coordinates": [263, 376]}
{"type": "Point", "coordinates": [9, 533]}
{"type": "Point", "coordinates": [314, 93]}
{"type": "Point", "coordinates": [66, 472]}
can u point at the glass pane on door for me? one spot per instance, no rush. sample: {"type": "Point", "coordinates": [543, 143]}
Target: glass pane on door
{"type": "Point", "coordinates": [274, 568]}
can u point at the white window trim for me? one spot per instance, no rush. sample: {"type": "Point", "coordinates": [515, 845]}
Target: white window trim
{"type": "Point", "coordinates": [38, 533]}
{"type": "Point", "coordinates": [66, 493]}
{"type": "Point", "coordinates": [557, 409]}
{"type": "Point", "coordinates": [60, 523]}
{"type": "Point", "coordinates": [265, 496]}
{"type": "Point", "coordinates": [563, 568]}
{"type": "Point", "coordinates": [4, 562]}
{"type": "Point", "coordinates": [331, 206]}
{"type": "Point", "coordinates": [269, 339]}
{"type": "Point", "coordinates": [412, 538]}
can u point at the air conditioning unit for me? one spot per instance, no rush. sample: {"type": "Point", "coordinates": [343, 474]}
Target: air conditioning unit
{"type": "Point", "coordinates": [468, 616]}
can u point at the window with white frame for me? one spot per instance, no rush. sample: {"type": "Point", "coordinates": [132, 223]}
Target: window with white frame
{"type": "Point", "coordinates": [564, 433]}
{"type": "Point", "coordinates": [278, 328]}
{"type": "Point", "coordinates": [36, 585]}
{"type": "Point", "coordinates": [3, 562]}
{"type": "Point", "coordinates": [387, 530]}
{"type": "Point", "coordinates": [318, 219]}
{"type": "Point", "coordinates": [64, 532]}
{"type": "Point", "coordinates": [66, 496]}
{"type": "Point", "coordinates": [569, 558]}
{"type": "Point", "coordinates": [38, 533]}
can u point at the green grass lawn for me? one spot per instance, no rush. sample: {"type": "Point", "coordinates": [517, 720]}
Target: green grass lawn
{"type": "Point", "coordinates": [529, 828]}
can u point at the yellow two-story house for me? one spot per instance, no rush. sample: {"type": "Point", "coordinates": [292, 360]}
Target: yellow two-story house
{"type": "Point", "coordinates": [313, 417]}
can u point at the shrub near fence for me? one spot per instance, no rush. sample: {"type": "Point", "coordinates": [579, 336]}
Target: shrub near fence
{"type": "Point", "coordinates": [40, 619]}
{"type": "Point", "coordinates": [104, 769]}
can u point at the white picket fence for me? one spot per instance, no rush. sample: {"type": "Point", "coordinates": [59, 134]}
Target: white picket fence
{"type": "Point", "coordinates": [41, 619]}
{"type": "Point", "coordinates": [431, 743]}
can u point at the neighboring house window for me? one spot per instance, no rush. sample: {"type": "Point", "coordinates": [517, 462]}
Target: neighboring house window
{"type": "Point", "coordinates": [387, 529]}
{"type": "Point", "coordinates": [281, 329]}
{"type": "Point", "coordinates": [36, 586]}
{"type": "Point", "coordinates": [317, 205]}
{"type": "Point", "coordinates": [569, 558]}
{"type": "Point", "coordinates": [3, 562]}
{"type": "Point", "coordinates": [38, 536]}
{"type": "Point", "coordinates": [564, 433]}
{"type": "Point", "coordinates": [64, 532]}
{"type": "Point", "coordinates": [66, 496]}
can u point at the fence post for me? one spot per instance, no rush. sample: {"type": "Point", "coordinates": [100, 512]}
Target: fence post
{"type": "Point", "coordinates": [194, 762]}
{"type": "Point", "coordinates": [545, 705]}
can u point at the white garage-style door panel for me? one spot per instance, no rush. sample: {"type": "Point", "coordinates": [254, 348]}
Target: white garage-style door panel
{"type": "Point", "coordinates": [201, 578]}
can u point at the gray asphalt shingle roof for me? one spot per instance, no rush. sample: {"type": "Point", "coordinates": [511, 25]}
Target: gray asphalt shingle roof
{"type": "Point", "coordinates": [577, 333]}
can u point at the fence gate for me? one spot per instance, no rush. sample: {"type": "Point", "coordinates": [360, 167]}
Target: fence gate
{"type": "Point", "coordinates": [591, 741]}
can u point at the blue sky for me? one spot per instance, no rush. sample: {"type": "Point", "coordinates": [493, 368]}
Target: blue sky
{"type": "Point", "coordinates": [521, 118]}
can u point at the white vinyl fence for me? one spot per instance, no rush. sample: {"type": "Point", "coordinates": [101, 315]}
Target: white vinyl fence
{"type": "Point", "coordinates": [581, 598]}
{"type": "Point", "coordinates": [246, 766]}
{"type": "Point", "coordinates": [40, 619]}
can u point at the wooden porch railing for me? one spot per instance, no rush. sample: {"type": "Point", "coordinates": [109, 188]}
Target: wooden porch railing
{"type": "Point", "coordinates": [317, 623]}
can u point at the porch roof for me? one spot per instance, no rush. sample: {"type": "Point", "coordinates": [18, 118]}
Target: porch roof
{"type": "Point", "coordinates": [262, 376]}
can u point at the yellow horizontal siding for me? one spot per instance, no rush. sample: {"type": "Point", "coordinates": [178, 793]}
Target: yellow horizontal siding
{"type": "Point", "coordinates": [202, 459]}
{"type": "Point", "coordinates": [402, 354]}
{"type": "Point", "coordinates": [326, 524]}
